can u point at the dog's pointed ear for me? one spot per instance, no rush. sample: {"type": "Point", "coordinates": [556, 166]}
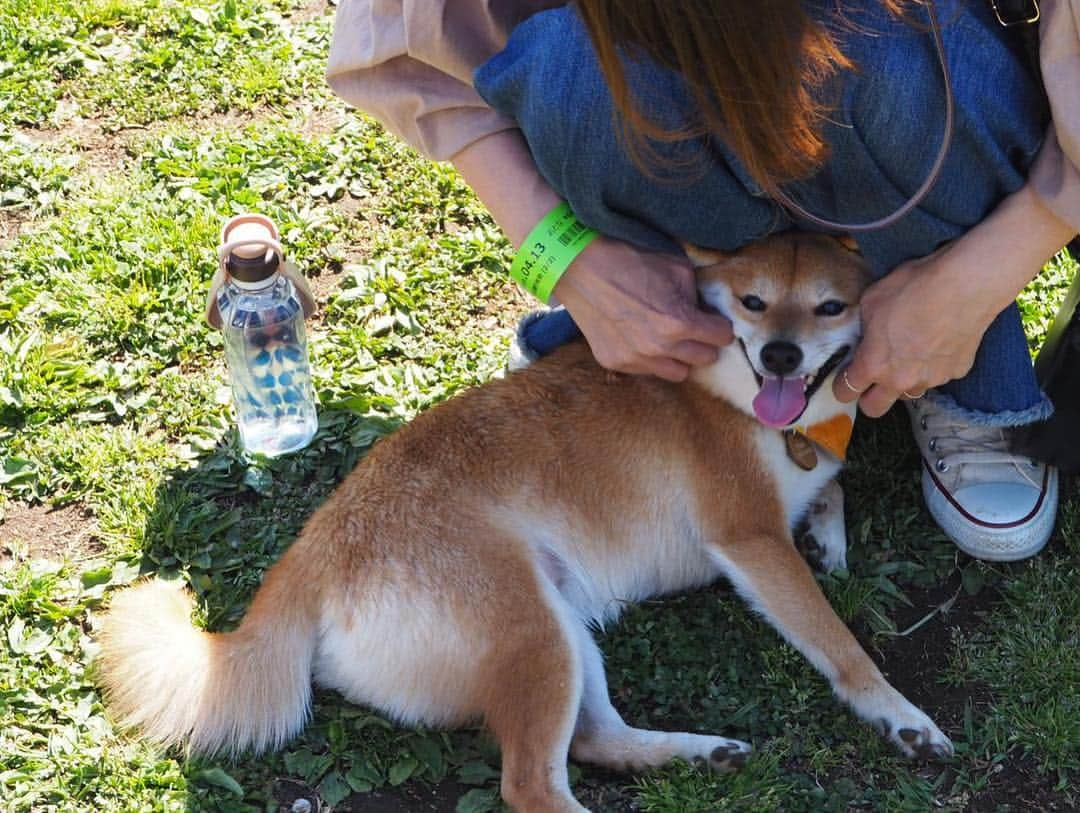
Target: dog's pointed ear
{"type": "Point", "coordinates": [848, 242]}
{"type": "Point", "coordinates": [702, 257]}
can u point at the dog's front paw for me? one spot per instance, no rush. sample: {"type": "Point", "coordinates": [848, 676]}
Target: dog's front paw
{"type": "Point", "coordinates": [925, 743]}
{"type": "Point", "coordinates": [915, 735]}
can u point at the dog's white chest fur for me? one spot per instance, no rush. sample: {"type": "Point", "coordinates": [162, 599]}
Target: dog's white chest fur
{"type": "Point", "coordinates": [796, 487]}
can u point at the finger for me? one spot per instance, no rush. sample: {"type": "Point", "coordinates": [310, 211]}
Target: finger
{"type": "Point", "coordinates": [694, 354]}
{"type": "Point", "coordinates": [666, 368]}
{"type": "Point", "coordinates": [845, 387]}
{"type": "Point", "coordinates": [877, 400]}
{"type": "Point", "coordinates": [638, 364]}
{"type": "Point", "coordinates": [709, 328]}
{"type": "Point", "coordinates": [911, 392]}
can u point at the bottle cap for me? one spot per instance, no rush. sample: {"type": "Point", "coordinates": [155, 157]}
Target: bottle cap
{"type": "Point", "coordinates": [254, 238]}
{"type": "Point", "coordinates": [250, 251]}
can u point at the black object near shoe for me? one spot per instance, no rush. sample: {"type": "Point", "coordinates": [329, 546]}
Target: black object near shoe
{"type": "Point", "coordinates": [1057, 440]}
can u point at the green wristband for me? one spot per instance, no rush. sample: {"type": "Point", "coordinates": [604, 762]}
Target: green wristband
{"type": "Point", "coordinates": [548, 251]}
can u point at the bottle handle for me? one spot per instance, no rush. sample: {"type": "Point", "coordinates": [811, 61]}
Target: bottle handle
{"type": "Point", "coordinates": [290, 271]}
{"type": "Point", "coordinates": [248, 217]}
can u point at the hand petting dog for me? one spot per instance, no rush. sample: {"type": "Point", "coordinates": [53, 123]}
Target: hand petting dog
{"type": "Point", "coordinates": [920, 330]}
{"type": "Point", "coordinates": [924, 321]}
{"type": "Point", "coordinates": [639, 310]}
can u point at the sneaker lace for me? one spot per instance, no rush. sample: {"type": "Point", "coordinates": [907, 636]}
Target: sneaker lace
{"type": "Point", "coordinates": [957, 443]}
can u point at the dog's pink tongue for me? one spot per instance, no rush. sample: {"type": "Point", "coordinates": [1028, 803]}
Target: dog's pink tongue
{"type": "Point", "coordinates": [780, 401]}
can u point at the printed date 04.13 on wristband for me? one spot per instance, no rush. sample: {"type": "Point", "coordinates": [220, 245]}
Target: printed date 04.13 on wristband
{"type": "Point", "coordinates": [548, 251]}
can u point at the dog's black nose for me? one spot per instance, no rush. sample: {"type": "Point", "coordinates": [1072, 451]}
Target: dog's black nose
{"type": "Point", "coordinates": [781, 358]}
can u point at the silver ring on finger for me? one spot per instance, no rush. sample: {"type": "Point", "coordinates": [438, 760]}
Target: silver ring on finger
{"type": "Point", "coordinates": [849, 385]}
{"type": "Point", "coordinates": [912, 397]}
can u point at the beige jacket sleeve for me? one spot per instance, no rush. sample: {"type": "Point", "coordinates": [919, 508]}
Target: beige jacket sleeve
{"type": "Point", "coordinates": [1055, 175]}
{"type": "Point", "coordinates": [409, 64]}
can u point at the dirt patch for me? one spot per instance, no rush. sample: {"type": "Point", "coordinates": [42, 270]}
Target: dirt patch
{"type": "Point", "coordinates": [41, 532]}
{"type": "Point", "coordinates": [103, 149]}
{"type": "Point", "coordinates": [605, 790]}
{"type": "Point", "coordinates": [1018, 786]}
{"type": "Point", "coordinates": [100, 151]}
{"type": "Point", "coordinates": [320, 121]}
{"type": "Point", "coordinates": [913, 664]}
{"type": "Point", "coordinates": [309, 11]}
{"type": "Point", "coordinates": [503, 310]}
{"type": "Point", "coordinates": [11, 223]}
{"type": "Point", "coordinates": [324, 286]}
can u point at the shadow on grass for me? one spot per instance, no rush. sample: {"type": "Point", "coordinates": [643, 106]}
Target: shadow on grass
{"type": "Point", "coordinates": [222, 522]}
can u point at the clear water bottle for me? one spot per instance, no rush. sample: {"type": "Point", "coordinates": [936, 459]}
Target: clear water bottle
{"type": "Point", "coordinates": [261, 311]}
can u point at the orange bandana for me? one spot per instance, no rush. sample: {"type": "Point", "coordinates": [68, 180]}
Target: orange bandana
{"type": "Point", "coordinates": [832, 435]}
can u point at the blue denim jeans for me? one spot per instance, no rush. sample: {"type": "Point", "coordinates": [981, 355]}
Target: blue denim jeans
{"type": "Point", "coordinates": [883, 135]}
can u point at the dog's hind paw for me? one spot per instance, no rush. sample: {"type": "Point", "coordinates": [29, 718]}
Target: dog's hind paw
{"type": "Point", "coordinates": [731, 756]}
{"type": "Point", "coordinates": [807, 546]}
{"type": "Point", "coordinates": [640, 750]}
{"type": "Point", "coordinates": [823, 540]}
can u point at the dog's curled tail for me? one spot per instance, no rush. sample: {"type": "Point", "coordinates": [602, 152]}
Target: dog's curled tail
{"type": "Point", "coordinates": [207, 692]}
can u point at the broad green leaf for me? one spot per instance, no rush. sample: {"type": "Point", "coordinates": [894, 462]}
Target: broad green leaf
{"type": "Point", "coordinates": [334, 788]}
{"type": "Point", "coordinates": [478, 800]}
{"type": "Point", "coordinates": [401, 770]}
{"type": "Point", "coordinates": [220, 779]}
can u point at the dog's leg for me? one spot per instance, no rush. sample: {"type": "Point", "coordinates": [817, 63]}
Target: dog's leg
{"type": "Point", "coordinates": [825, 541]}
{"type": "Point", "coordinates": [602, 738]}
{"type": "Point", "coordinates": [532, 692]}
{"type": "Point", "coordinates": [773, 577]}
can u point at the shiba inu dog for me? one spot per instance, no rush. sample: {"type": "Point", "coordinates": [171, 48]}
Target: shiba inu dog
{"type": "Point", "coordinates": [454, 575]}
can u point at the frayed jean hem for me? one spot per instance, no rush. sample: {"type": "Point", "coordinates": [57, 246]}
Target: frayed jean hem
{"type": "Point", "coordinates": [1017, 417]}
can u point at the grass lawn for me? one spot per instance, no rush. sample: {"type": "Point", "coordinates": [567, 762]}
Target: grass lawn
{"type": "Point", "coordinates": [129, 131]}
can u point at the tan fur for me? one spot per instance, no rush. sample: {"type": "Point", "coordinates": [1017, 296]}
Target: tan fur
{"type": "Point", "coordinates": [452, 575]}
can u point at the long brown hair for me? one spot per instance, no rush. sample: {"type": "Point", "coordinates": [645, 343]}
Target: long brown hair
{"type": "Point", "coordinates": [756, 69]}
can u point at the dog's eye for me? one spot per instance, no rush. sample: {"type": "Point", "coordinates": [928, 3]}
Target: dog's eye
{"type": "Point", "coordinates": [753, 303]}
{"type": "Point", "coordinates": [832, 307]}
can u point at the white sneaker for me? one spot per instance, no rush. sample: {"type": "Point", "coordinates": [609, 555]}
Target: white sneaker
{"type": "Point", "coordinates": [993, 504]}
